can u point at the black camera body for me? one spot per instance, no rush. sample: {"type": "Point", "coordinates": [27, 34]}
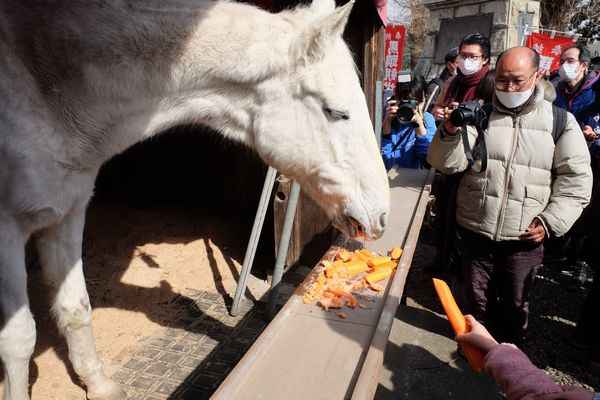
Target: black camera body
{"type": "Point", "coordinates": [406, 110]}
{"type": "Point", "coordinates": [469, 113]}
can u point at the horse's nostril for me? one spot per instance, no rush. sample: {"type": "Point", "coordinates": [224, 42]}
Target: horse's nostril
{"type": "Point", "coordinates": [383, 220]}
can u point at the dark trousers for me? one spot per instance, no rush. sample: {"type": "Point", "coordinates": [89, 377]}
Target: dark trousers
{"type": "Point", "coordinates": [497, 278]}
{"type": "Point", "coordinates": [444, 189]}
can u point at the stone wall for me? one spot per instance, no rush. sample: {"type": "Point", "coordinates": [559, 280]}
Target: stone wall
{"type": "Point", "coordinates": [507, 18]}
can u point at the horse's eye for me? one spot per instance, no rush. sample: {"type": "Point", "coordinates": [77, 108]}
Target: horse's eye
{"type": "Point", "coordinates": [336, 114]}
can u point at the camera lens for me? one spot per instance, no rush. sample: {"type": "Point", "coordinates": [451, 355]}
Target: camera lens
{"type": "Point", "coordinates": [405, 113]}
{"type": "Point", "coordinates": [461, 116]}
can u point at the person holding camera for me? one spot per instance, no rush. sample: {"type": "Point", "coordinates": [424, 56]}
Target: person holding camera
{"type": "Point", "coordinates": [472, 60]}
{"type": "Point", "coordinates": [473, 65]}
{"type": "Point", "coordinates": [407, 129]}
{"type": "Point", "coordinates": [525, 176]}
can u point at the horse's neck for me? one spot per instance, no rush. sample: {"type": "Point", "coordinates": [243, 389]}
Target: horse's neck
{"type": "Point", "coordinates": [198, 68]}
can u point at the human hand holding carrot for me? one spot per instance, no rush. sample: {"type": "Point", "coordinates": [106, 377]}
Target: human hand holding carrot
{"type": "Point", "coordinates": [477, 336]}
{"type": "Point", "coordinates": [459, 323]}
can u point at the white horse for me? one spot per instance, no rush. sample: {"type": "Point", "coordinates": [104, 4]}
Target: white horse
{"type": "Point", "coordinates": [82, 80]}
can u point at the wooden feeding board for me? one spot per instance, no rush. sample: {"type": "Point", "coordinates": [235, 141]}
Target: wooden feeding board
{"type": "Point", "coordinates": [309, 353]}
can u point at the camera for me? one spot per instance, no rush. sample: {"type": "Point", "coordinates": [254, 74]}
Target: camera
{"type": "Point", "coordinates": [469, 113]}
{"type": "Point", "coordinates": [406, 110]}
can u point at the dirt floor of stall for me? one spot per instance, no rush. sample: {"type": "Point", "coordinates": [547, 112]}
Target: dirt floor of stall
{"type": "Point", "coordinates": [144, 268]}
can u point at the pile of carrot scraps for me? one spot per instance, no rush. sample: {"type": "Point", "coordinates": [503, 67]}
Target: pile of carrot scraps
{"type": "Point", "coordinates": [350, 272]}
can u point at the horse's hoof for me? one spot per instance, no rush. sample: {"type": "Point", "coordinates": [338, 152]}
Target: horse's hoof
{"type": "Point", "coordinates": [109, 391]}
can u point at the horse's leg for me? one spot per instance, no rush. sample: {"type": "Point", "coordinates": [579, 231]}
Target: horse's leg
{"type": "Point", "coordinates": [60, 255]}
{"type": "Point", "coordinates": [17, 328]}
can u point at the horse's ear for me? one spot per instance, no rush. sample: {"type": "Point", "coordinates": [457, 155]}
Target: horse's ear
{"type": "Point", "coordinates": [313, 41]}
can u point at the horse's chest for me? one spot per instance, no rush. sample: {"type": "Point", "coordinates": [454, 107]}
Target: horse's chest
{"type": "Point", "coordinates": [36, 189]}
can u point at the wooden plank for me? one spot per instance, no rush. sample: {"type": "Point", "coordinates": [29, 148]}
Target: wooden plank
{"type": "Point", "coordinates": [368, 379]}
{"type": "Point", "coordinates": [308, 353]}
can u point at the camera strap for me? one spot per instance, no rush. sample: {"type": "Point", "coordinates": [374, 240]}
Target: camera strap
{"type": "Point", "coordinates": [477, 156]}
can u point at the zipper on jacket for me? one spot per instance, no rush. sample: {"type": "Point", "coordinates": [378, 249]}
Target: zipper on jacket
{"type": "Point", "coordinates": [509, 162]}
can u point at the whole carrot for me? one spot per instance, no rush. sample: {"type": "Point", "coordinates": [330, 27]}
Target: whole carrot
{"type": "Point", "coordinates": [458, 323]}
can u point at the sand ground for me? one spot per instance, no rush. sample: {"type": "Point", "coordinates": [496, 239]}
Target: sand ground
{"type": "Point", "coordinates": [136, 263]}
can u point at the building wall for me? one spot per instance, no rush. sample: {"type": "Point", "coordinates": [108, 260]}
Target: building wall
{"type": "Point", "coordinates": [507, 23]}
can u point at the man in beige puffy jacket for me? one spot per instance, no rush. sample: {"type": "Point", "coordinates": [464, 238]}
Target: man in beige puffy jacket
{"type": "Point", "coordinates": [532, 188]}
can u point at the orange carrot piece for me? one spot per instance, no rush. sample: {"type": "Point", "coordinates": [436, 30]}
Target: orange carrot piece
{"type": "Point", "coordinates": [457, 321]}
{"type": "Point", "coordinates": [355, 267]}
{"type": "Point", "coordinates": [375, 261]}
{"type": "Point", "coordinates": [388, 265]}
{"type": "Point", "coordinates": [343, 255]}
{"type": "Point", "coordinates": [334, 268]}
{"type": "Point", "coordinates": [378, 275]}
{"type": "Point", "coordinates": [395, 253]}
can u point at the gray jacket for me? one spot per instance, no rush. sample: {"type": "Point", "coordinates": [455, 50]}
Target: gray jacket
{"type": "Point", "coordinates": [527, 175]}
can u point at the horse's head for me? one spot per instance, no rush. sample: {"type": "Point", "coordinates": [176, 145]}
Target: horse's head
{"type": "Point", "coordinates": [314, 125]}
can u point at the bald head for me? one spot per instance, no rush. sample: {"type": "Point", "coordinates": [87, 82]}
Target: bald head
{"type": "Point", "coordinates": [516, 69]}
{"type": "Point", "coordinates": [519, 57]}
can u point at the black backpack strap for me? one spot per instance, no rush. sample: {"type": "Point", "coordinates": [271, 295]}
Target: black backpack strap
{"type": "Point", "coordinates": [559, 122]}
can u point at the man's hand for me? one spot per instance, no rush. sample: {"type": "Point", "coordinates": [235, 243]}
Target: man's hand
{"type": "Point", "coordinates": [418, 117]}
{"type": "Point", "coordinates": [391, 109]}
{"type": "Point", "coordinates": [477, 336]}
{"type": "Point", "coordinates": [535, 232]}
{"type": "Point", "coordinates": [438, 113]}
{"type": "Point", "coordinates": [589, 133]}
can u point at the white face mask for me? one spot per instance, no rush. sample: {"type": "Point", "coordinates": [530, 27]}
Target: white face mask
{"type": "Point", "coordinates": [469, 66]}
{"type": "Point", "coordinates": [568, 72]}
{"type": "Point", "coordinates": [514, 99]}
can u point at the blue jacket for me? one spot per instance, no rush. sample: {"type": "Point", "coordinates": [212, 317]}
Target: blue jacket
{"type": "Point", "coordinates": [584, 104]}
{"type": "Point", "coordinates": [411, 151]}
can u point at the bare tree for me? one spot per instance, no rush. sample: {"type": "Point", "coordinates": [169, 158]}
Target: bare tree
{"type": "Point", "coordinates": [418, 30]}
{"type": "Point", "coordinates": [577, 16]}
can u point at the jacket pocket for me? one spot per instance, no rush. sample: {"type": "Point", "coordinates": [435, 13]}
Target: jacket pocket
{"type": "Point", "coordinates": [534, 203]}
{"type": "Point", "coordinates": [470, 198]}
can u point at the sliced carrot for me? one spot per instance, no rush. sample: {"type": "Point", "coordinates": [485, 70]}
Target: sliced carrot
{"type": "Point", "coordinates": [395, 253]}
{"type": "Point", "coordinates": [388, 265]}
{"type": "Point", "coordinates": [375, 261]}
{"type": "Point", "coordinates": [343, 255]}
{"type": "Point", "coordinates": [355, 267]}
{"type": "Point", "coordinates": [360, 256]}
{"type": "Point", "coordinates": [457, 321]}
{"type": "Point", "coordinates": [378, 275]}
{"type": "Point", "coordinates": [334, 268]}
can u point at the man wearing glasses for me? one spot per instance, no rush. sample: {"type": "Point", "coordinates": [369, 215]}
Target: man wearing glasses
{"type": "Point", "coordinates": [578, 91]}
{"type": "Point", "coordinates": [532, 188]}
{"type": "Point", "coordinates": [473, 64]}
{"type": "Point", "coordinates": [473, 58]}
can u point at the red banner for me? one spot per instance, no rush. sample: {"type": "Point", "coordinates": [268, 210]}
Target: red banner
{"type": "Point", "coordinates": [394, 51]}
{"type": "Point", "coordinates": [549, 48]}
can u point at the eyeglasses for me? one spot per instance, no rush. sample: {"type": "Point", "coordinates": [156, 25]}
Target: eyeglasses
{"type": "Point", "coordinates": [470, 57]}
{"type": "Point", "coordinates": [517, 84]}
{"type": "Point", "coordinates": [569, 60]}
